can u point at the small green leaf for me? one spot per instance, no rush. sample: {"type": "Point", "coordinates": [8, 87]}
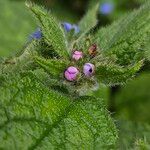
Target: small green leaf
{"type": "Point", "coordinates": [54, 67]}
{"type": "Point", "coordinates": [52, 31]}
{"type": "Point", "coordinates": [112, 74]}
{"type": "Point", "coordinates": [147, 50]}
{"type": "Point", "coordinates": [89, 20]}
{"type": "Point", "coordinates": [35, 117]}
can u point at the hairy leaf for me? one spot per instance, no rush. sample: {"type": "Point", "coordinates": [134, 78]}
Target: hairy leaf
{"type": "Point", "coordinates": [52, 31]}
{"type": "Point", "coordinates": [147, 50]}
{"type": "Point", "coordinates": [89, 20]}
{"type": "Point", "coordinates": [126, 38]}
{"type": "Point", "coordinates": [35, 117]}
{"type": "Point", "coordinates": [54, 67]}
{"type": "Point", "coordinates": [112, 74]}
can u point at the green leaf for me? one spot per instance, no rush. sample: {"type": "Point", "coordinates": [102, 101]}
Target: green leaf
{"type": "Point", "coordinates": [35, 117]}
{"type": "Point", "coordinates": [126, 38]}
{"type": "Point", "coordinates": [54, 67]}
{"type": "Point", "coordinates": [52, 31]}
{"type": "Point", "coordinates": [147, 50]}
{"type": "Point", "coordinates": [104, 93]}
{"type": "Point", "coordinates": [89, 20]}
{"type": "Point", "coordinates": [112, 74]}
{"type": "Point", "coordinates": [16, 25]}
{"type": "Point", "coordinates": [133, 100]}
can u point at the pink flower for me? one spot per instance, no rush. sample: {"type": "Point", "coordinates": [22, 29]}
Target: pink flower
{"type": "Point", "coordinates": [88, 69]}
{"type": "Point", "coordinates": [77, 55]}
{"type": "Point", "coordinates": [71, 73]}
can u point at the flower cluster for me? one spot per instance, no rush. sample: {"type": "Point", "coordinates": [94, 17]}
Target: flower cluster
{"type": "Point", "coordinates": [72, 73]}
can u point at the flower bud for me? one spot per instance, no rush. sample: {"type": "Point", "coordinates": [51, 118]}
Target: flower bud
{"type": "Point", "coordinates": [77, 55]}
{"type": "Point", "coordinates": [93, 50]}
{"type": "Point", "coordinates": [71, 73]}
{"type": "Point", "coordinates": [88, 69]}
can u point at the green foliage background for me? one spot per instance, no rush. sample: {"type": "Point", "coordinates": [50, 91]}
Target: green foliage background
{"type": "Point", "coordinates": [35, 107]}
{"type": "Point", "coordinates": [16, 24]}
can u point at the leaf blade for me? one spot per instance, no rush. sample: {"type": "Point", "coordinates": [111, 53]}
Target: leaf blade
{"type": "Point", "coordinates": [126, 37]}
{"type": "Point", "coordinates": [112, 74]}
{"type": "Point", "coordinates": [52, 31]}
{"type": "Point", "coordinates": [41, 118]}
{"type": "Point", "coordinates": [89, 20]}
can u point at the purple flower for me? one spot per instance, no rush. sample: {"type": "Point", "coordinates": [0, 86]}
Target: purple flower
{"type": "Point", "coordinates": [37, 34]}
{"type": "Point", "coordinates": [77, 55]}
{"type": "Point", "coordinates": [106, 8]}
{"type": "Point", "coordinates": [68, 27]}
{"type": "Point", "coordinates": [88, 69]}
{"type": "Point", "coordinates": [76, 28]}
{"type": "Point", "coordinates": [71, 73]}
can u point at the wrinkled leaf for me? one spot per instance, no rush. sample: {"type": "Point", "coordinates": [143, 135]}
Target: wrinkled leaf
{"type": "Point", "coordinates": [33, 116]}
{"type": "Point", "coordinates": [54, 67]}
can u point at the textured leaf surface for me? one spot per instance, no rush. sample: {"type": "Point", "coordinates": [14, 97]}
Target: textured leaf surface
{"type": "Point", "coordinates": [112, 74]}
{"type": "Point", "coordinates": [86, 24]}
{"type": "Point", "coordinates": [16, 25]}
{"type": "Point", "coordinates": [55, 67]}
{"type": "Point", "coordinates": [147, 50]}
{"type": "Point", "coordinates": [35, 117]}
{"type": "Point", "coordinates": [51, 29]}
{"type": "Point", "coordinates": [89, 20]}
{"type": "Point", "coordinates": [126, 38]}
